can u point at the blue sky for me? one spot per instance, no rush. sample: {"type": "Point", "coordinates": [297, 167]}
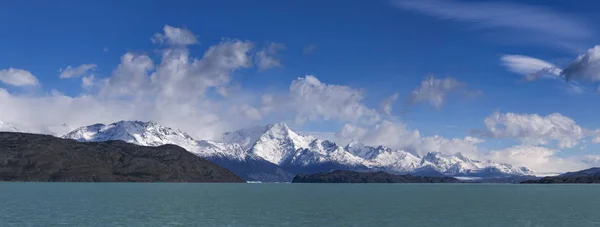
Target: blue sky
{"type": "Point", "coordinates": [376, 47]}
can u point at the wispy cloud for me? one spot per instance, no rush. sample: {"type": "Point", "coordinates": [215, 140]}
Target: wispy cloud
{"type": "Point", "coordinates": [386, 105]}
{"type": "Point", "coordinates": [268, 57]}
{"type": "Point", "coordinates": [530, 21]}
{"type": "Point", "coordinates": [435, 91]}
{"type": "Point", "coordinates": [74, 72]}
{"type": "Point", "coordinates": [585, 68]}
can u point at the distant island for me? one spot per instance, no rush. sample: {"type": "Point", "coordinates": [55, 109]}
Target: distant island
{"type": "Point", "coordinates": [588, 176]}
{"type": "Point", "coordinates": [344, 176]}
{"type": "Point", "coordinates": [33, 157]}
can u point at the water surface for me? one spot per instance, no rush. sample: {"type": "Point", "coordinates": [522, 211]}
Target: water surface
{"type": "Point", "coordinates": [186, 204]}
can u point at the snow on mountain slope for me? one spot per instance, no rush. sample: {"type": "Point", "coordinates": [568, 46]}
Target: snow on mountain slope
{"type": "Point", "coordinates": [4, 127]}
{"type": "Point", "coordinates": [266, 149]}
{"type": "Point", "coordinates": [153, 134]}
{"type": "Point", "coordinates": [397, 161]}
{"type": "Point", "coordinates": [458, 165]}
{"type": "Point", "coordinates": [138, 132]}
{"type": "Point", "coordinates": [323, 151]}
{"type": "Point", "coordinates": [361, 150]}
{"type": "Point", "coordinates": [245, 137]}
{"type": "Point", "coordinates": [229, 155]}
{"type": "Point", "coordinates": [274, 143]}
{"type": "Point", "coordinates": [278, 144]}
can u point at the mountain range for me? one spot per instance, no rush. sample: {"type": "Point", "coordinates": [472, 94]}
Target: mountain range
{"type": "Point", "coordinates": [275, 153]}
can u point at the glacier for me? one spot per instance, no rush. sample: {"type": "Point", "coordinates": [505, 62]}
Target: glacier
{"type": "Point", "coordinates": [275, 153]}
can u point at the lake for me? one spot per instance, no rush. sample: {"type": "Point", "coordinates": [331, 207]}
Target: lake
{"type": "Point", "coordinates": [189, 204]}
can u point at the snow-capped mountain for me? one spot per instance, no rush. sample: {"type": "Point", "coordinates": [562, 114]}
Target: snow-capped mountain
{"type": "Point", "coordinates": [279, 145]}
{"type": "Point", "coordinates": [276, 153]}
{"type": "Point", "coordinates": [274, 143]}
{"type": "Point", "coordinates": [228, 155]}
{"type": "Point", "coordinates": [458, 165]}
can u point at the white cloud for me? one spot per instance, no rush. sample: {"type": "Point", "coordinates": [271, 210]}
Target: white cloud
{"type": "Point", "coordinates": [17, 77]}
{"type": "Point", "coordinates": [434, 91]}
{"type": "Point", "coordinates": [532, 23]}
{"type": "Point", "coordinates": [398, 136]}
{"type": "Point", "coordinates": [170, 91]}
{"type": "Point", "coordinates": [314, 100]}
{"type": "Point", "coordinates": [386, 105]}
{"type": "Point", "coordinates": [175, 36]}
{"type": "Point", "coordinates": [586, 66]}
{"type": "Point", "coordinates": [74, 72]}
{"type": "Point", "coordinates": [535, 129]}
{"type": "Point", "coordinates": [267, 57]}
{"type": "Point", "coordinates": [130, 77]}
{"type": "Point", "coordinates": [87, 81]}
{"type": "Point", "coordinates": [531, 68]}
{"type": "Point", "coordinates": [539, 159]}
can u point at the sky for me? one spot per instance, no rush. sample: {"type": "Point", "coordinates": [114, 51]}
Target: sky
{"type": "Point", "coordinates": [507, 81]}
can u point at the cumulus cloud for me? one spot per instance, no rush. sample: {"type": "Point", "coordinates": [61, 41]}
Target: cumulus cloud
{"type": "Point", "coordinates": [398, 136]}
{"type": "Point", "coordinates": [541, 160]}
{"type": "Point", "coordinates": [267, 58]}
{"type": "Point", "coordinates": [74, 72]}
{"type": "Point", "coordinates": [171, 90]}
{"type": "Point", "coordinates": [17, 77]}
{"type": "Point", "coordinates": [534, 129]}
{"type": "Point", "coordinates": [87, 81]}
{"type": "Point", "coordinates": [386, 105]}
{"type": "Point", "coordinates": [175, 36]}
{"type": "Point", "coordinates": [130, 77]}
{"type": "Point", "coordinates": [537, 24]}
{"type": "Point", "coordinates": [434, 91]}
{"type": "Point", "coordinates": [586, 66]}
{"type": "Point", "coordinates": [314, 100]}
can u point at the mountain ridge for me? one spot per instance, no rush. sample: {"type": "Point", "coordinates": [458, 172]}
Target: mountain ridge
{"type": "Point", "coordinates": [278, 152]}
{"type": "Point", "coordinates": [38, 157]}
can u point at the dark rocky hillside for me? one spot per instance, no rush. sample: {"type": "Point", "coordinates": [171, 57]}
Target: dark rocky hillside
{"type": "Point", "coordinates": [32, 157]}
{"type": "Point", "coordinates": [588, 176]}
{"type": "Point", "coordinates": [343, 176]}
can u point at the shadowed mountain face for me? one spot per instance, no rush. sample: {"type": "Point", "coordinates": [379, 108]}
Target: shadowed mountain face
{"type": "Point", "coordinates": [343, 176]}
{"type": "Point", "coordinates": [32, 157]}
{"type": "Point", "coordinates": [587, 176]}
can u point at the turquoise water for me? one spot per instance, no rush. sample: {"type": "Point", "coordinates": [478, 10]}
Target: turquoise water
{"type": "Point", "coordinates": [164, 204]}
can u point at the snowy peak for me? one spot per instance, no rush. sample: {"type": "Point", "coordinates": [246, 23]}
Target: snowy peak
{"type": "Point", "coordinates": [248, 136]}
{"type": "Point", "coordinates": [137, 132]}
{"type": "Point", "coordinates": [367, 152]}
{"type": "Point", "coordinates": [458, 164]}
{"type": "Point", "coordinates": [153, 134]}
{"type": "Point", "coordinates": [277, 144]}
{"type": "Point", "coordinates": [274, 142]}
